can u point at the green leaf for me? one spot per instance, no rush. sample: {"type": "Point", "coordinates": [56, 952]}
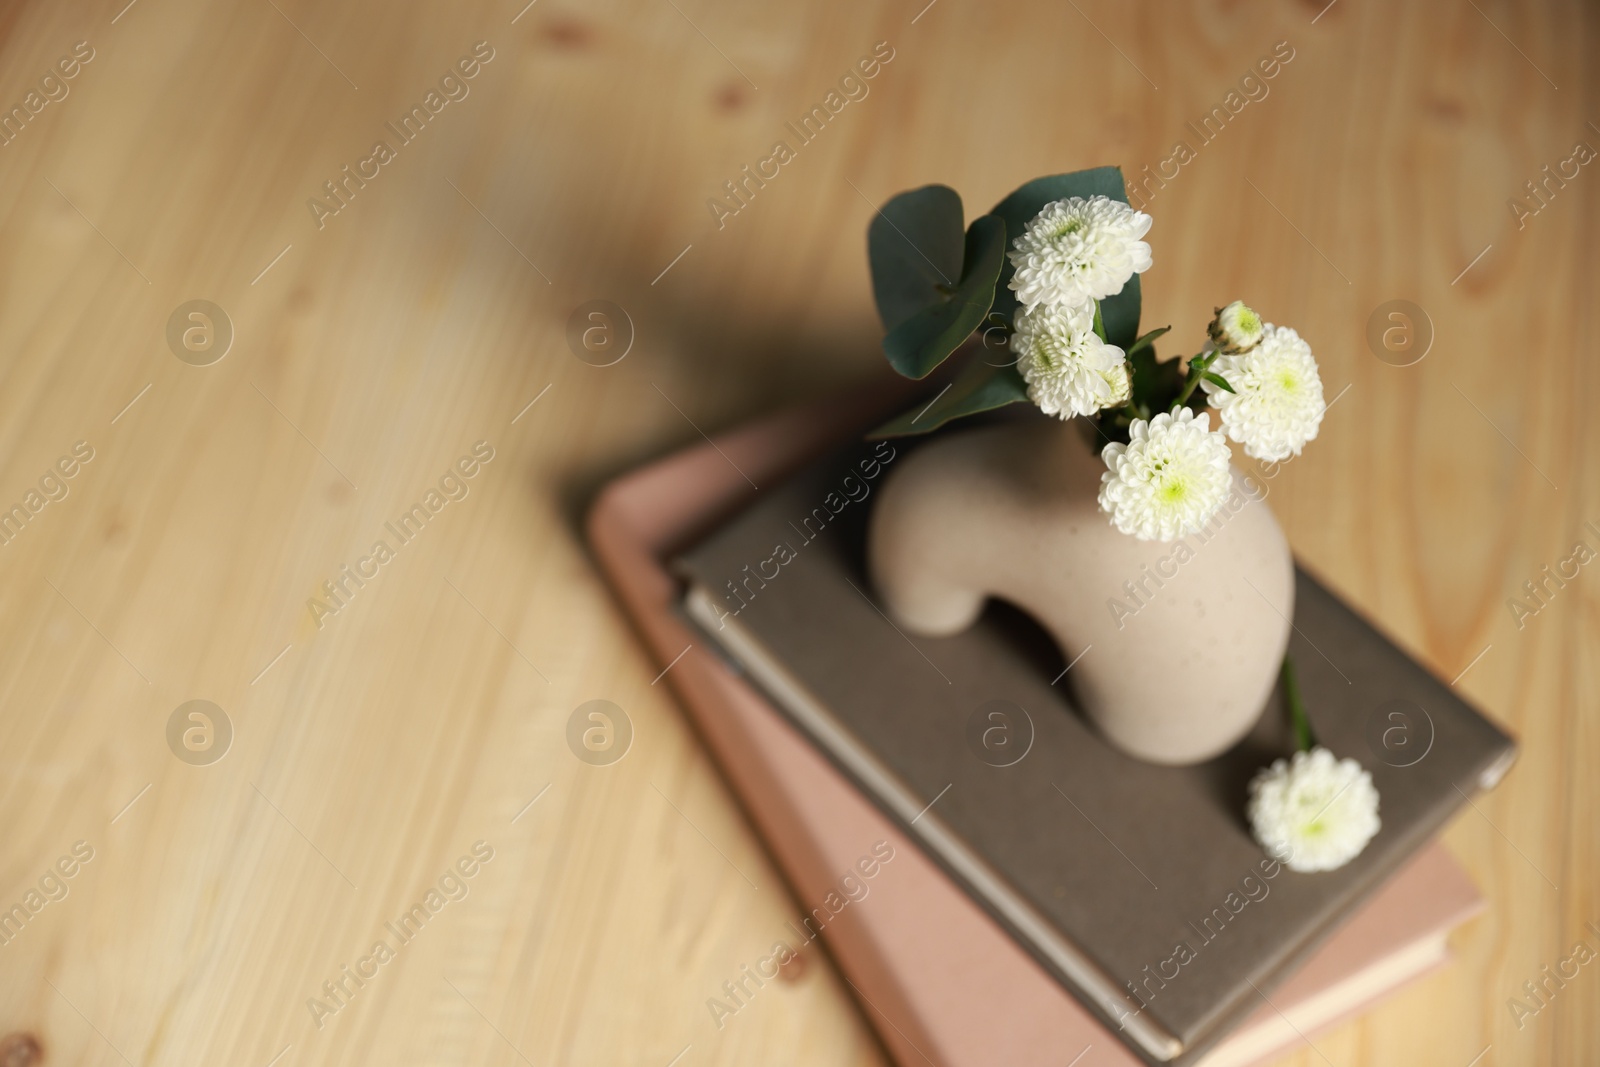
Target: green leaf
{"type": "Point", "coordinates": [1120, 312]}
{"type": "Point", "coordinates": [1147, 340]}
{"type": "Point", "coordinates": [979, 387]}
{"type": "Point", "coordinates": [920, 343]}
{"type": "Point", "coordinates": [914, 246]}
{"type": "Point", "coordinates": [1217, 380]}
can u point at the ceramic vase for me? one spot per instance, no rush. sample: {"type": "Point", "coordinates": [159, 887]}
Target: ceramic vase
{"type": "Point", "coordinates": [1175, 646]}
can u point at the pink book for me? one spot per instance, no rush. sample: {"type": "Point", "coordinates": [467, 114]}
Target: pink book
{"type": "Point", "coordinates": [938, 979]}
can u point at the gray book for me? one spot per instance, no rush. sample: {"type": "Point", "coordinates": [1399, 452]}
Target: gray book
{"type": "Point", "coordinates": [1137, 886]}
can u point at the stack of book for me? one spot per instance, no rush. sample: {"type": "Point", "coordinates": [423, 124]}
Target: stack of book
{"type": "Point", "coordinates": [1044, 897]}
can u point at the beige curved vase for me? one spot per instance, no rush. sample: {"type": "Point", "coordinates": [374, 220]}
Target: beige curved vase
{"type": "Point", "coordinates": [1177, 644]}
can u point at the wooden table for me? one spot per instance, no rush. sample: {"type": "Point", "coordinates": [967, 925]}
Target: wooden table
{"type": "Point", "coordinates": [424, 306]}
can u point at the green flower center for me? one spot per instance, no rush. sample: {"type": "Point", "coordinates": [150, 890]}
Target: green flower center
{"type": "Point", "coordinates": [1048, 352]}
{"type": "Point", "coordinates": [1173, 490]}
{"type": "Point", "coordinates": [1173, 485]}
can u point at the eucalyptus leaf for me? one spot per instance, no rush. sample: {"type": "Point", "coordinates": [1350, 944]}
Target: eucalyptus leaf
{"type": "Point", "coordinates": [921, 342]}
{"type": "Point", "coordinates": [1120, 312]}
{"type": "Point", "coordinates": [914, 244]}
{"type": "Point", "coordinates": [979, 387]}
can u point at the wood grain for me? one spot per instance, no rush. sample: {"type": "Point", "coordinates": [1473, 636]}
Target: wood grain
{"type": "Point", "coordinates": [432, 308]}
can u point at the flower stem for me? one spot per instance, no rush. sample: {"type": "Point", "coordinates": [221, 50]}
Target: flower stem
{"type": "Point", "coordinates": [1304, 739]}
{"type": "Point", "coordinates": [1183, 397]}
{"type": "Point", "coordinates": [1193, 381]}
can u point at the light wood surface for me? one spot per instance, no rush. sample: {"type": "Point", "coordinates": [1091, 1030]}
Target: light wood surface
{"type": "Point", "coordinates": [427, 313]}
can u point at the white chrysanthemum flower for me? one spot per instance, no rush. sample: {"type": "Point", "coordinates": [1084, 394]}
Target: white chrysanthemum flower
{"type": "Point", "coordinates": [1078, 250]}
{"type": "Point", "coordinates": [1237, 328]}
{"type": "Point", "coordinates": [1316, 813]}
{"type": "Point", "coordinates": [1168, 480]}
{"type": "Point", "coordinates": [1069, 369]}
{"type": "Point", "coordinates": [1276, 405]}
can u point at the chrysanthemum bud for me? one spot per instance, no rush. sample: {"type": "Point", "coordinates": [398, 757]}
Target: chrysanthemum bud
{"type": "Point", "coordinates": [1236, 329]}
